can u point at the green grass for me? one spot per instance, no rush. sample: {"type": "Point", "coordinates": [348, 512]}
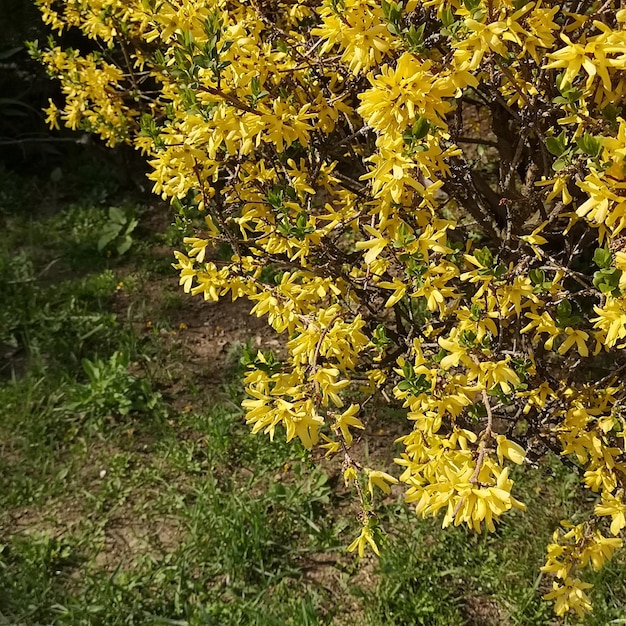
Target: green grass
{"type": "Point", "coordinates": [132, 492]}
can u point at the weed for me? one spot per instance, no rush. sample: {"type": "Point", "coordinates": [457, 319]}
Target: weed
{"type": "Point", "coordinates": [112, 390]}
{"type": "Point", "coordinates": [116, 232]}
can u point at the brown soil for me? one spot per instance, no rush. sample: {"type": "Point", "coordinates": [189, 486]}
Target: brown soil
{"type": "Point", "coordinates": [484, 611]}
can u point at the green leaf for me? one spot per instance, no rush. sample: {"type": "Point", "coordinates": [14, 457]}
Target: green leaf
{"type": "Point", "coordinates": [447, 17]}
{"type": "Point", "coordinates": [611, 113]}
{"type": "Point", "coordinates": [602, 257]}
{"type": "Point", "coordinates": [421, 384]}
{"type": "Point", "coordinates": [471, 5]}
{"type": "Point", "coordinates": [415, 36]}
{"type": "Point", "coordinates": [7, 54]}
{"type": "Point", "coordinates": [56, 175]}
{"type": "Point", "coordinates": [607, 280]}
{"type": "Point", "coordinates": [392, 11]}
{"type": "Point", "coordinates": [124, 245]}
{"type": "Point", "coordinates": [468, 337]}
{"type": "Point", "coordinates": [477, 411]}
{"type": "Point", "coordinates": [484, 257]}
{"type": "Point", "coordinates": [475, 312]}
{"type": "Point", "coordinates": [589, 145]}
{"type": "Point", "coordinates": [109, 234]}
{"type": "Point", "coordinates": [275, 198]}
{"type": "Point", "coordinates": [537, 277]}
{"type": "Point", "coordinates": [407, 370]}
{"type": "Point", "coordinates": [91, 370]}
{"type": "Point", "coordinates": [499, 271]}
{"type": "Point", "coordinates": [556, 145]}
{"type": "Point", "coordinates": [564, 309]}
{"type": "Point", "coordinates": [301, 220]}
{"type": "Point", "coordinates": [420, 128]}
{"type": "Point", "coordinates": [130, 227]}
{"type": "Point", "coordinates": [117, 215]}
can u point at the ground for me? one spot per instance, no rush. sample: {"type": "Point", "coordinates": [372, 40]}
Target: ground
{"type": "Point", "coordinates": [132, 492]}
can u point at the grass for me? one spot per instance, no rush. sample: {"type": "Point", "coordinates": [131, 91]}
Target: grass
{"type": "Point", "coordinates": [131, 491]}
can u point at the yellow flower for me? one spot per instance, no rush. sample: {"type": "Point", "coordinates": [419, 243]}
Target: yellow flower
{"type": "Point", "coordinates": [578, 337]}
{"type": "Point", "coordinates": [399, 290]}
{"type": "Point", "coordinates": [365, 539]}
{"type": "Point", "coordinates": [535, 239]}
{"type": "Point", "coordinates": [330, 386]}
{"type": "Point", "coordinates": [570, 595]}
{"type": "Point", "coordinates": [349, 475]}
{"type": "Point", "coordinates": [373, 246]}
{"type": "Point", "coordinates": [614, 507]}
{"type": "Point", "coordinates": [574, 56]}
{"type": "Point", "coordinates": [52, 115]}
{"type": "Point", "coordinates": [382, 480]}
{"type": "Point", "coordinates": [611, 321]}
{"type": "Point", "coordinates": [509, 449]}
{"type": "Point", "coordinates": [346, 420]}
{"type": "Point", "coordinates": [332, 447]}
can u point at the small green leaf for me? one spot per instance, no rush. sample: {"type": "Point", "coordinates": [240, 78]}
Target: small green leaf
{"type": "Point", "coordinates": [611, 113]}
{"type": "Point", "coordinates": [415, 36]}
{"type": "Point", "coordinates": [56, 175]}
{"type": "Point", "coordinates": [499, 271]}
{"type": "Point", "coordinates": [407, 370]}
{"type": "Point", "coordinates": [607, 280]}
{"type": "Point", "coordinates": [124, 245]}
{"type": "Point", "coordinates": [602, 257]}
{"type": "Point", "coordinates": [484, 257]}
{"type": "Point", "coordinates": [471, 5]}
{"type": "Point", "coordinates": [556, 145]}
{"type": "Point", "coordinates": [117, 215]}
{"type": "Point", "coordinates": [447, 17]}
{"type": "Point", "coordinates": [420, 128]}
{"type": "Point", "coordinates": [589, 145]}
{"type": "Point", "coordinates": [564, 309]}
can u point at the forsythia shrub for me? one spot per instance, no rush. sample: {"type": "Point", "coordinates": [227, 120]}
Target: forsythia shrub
{"type": "Point", "coordinates": [426, 198]}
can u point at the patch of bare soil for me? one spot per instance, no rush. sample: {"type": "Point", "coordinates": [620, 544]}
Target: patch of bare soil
{"type": "Point", "coordinates": [329, 571]}
{"type": "Point", "coordinates": [55, 521]}
{"type": "Point", "coordinates": [126, 541]}
{"type": "Point", "coordinates": [207, 331]}
{"type": "Point", "coordinates": [484, 611]}
{"type": "Point", "coordinates": [203, 340]}
{"type": "Point", "coordinates": [213, 328]}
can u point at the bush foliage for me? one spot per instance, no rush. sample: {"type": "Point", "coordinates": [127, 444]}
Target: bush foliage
{"type": "Point", "coordinates": [426, 198]}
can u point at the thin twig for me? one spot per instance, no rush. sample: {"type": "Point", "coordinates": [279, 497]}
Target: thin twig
{"type": "Point", "coordinates": [482, 450]}
{"type": "Point", "coordinates": [318, 347]}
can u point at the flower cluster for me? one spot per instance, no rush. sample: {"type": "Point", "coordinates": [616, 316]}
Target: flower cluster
{"type": "Point", "coordinates": [426, 198]}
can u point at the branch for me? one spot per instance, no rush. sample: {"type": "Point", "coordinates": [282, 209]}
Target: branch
{"type": "Point", "coordinates": [317, 351]}
{"type": "Point", "coordinates": [484, 440]}
{"type": "Point", "coordinates": [236, 102]}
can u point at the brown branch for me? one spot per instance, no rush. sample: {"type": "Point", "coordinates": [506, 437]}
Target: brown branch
{"type": "Point", "coordinates": [484, 440]}
{"type": "Point", "coordinates": [482, 451]}
{"type": "Point", "coordinates": [316, 354]}
{"type": "Point", "coordinates": [214, 91]}
{"type": "Point", "coordinates": [474, 140]}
